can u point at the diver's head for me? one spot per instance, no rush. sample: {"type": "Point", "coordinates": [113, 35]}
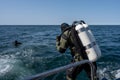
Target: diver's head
{"type": "Point", "coordinates": [64, 26]}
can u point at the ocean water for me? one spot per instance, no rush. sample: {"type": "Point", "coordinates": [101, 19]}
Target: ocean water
{"type": "Point", "coordinates": [38, 53]}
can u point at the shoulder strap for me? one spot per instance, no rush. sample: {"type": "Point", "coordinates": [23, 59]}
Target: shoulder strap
{"type": "Point", "coordinates": [62, 35]}
{"type": "Point", "coordinates": [77, 42]}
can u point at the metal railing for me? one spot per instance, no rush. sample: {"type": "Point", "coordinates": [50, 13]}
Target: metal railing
{"type": "Point", "coordinates": [60, 69]}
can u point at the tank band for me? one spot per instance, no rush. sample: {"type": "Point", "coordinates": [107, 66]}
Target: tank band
{"type": "Point", "coordinates": [90, 45]}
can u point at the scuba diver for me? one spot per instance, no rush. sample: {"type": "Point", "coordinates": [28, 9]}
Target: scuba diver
{"type": "Point", "coordinates": [16, 43]}
{"type": "Point", "coordinates": [66, 40]}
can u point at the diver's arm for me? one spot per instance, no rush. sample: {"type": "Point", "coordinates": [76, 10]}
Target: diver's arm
{"type": "Point", "coordinates": [61, 43]}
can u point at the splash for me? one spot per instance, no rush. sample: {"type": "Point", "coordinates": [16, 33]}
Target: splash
{"type": "Point", "coordinates": [5, 66]}
{"type": "Point", "coordinates": [116, 73]}
{"type": "Point", "coordinates": [110, 75]}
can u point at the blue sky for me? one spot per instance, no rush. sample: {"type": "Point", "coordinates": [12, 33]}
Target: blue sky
{"type": "Point", "coordinates": [51, 12]}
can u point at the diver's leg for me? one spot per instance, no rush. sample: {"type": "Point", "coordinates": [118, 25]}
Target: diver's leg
{"type": "Point", "coordinates": [88, 71]}
{"type": "Point", "coordinates": [70, 74]}
{"type": "Point", "coordinates": [73, 72]}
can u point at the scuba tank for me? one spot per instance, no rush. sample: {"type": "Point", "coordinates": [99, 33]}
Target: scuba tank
{"type": "Point", "coordinates": [86, 40]}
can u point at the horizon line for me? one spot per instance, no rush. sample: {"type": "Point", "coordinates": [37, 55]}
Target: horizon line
{"type": "Point", "coordinates": [45, 24]}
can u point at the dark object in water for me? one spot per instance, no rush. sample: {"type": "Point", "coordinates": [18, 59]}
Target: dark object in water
{"type": "Point", "coordinates": [16, 43]}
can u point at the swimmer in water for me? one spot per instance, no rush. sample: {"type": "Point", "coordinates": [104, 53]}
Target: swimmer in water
{"type": "Point", "coordinates": [16, 43]}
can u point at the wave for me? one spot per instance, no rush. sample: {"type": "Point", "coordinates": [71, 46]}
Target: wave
{"type": "Point", "coordinates": [110, 75]}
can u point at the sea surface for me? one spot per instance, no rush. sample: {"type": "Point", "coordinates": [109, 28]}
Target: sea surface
{"type": "Point", "coordinates": [38, 53]}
